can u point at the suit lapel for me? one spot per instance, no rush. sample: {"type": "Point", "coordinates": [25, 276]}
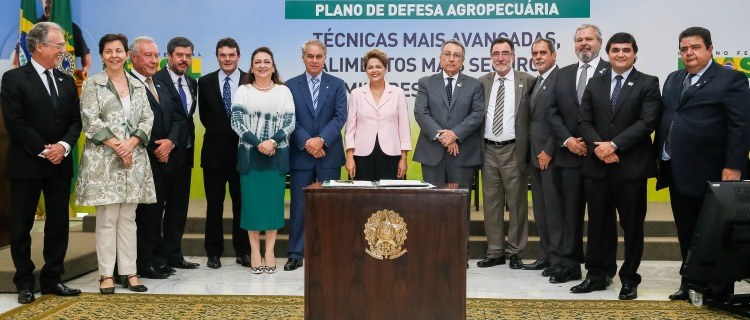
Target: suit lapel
{"type": "Point", "coordinates": [543, 89]}
{"type": "Point", "coordinates": [705, 78]}
{"type": "Point", "coordinates": [519, 90]}
{"type": "Point", "coordinates": [460, 78]}
{"type": "Point", "coordinates": [36, 81]}
{"type": "Point", "coordinates": [218, 89]}
{"type": "Point", "coordinates": [387, 95]}
{"type": "Point", "coordinates": [322, 92]}
{"type": "Point", "coordinates": [487, 82]}
{"type": "Point", "coordinates": [627, 86]}
{"type": "Point", "coordinates": [304, 90]}
{"type": "Point", "coordinates": [440, 83]}
{"type": "Point", "coordinates": [369, 98]}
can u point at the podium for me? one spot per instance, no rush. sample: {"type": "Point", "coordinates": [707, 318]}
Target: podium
{"type": "Point", "coordinates": [385, 253]}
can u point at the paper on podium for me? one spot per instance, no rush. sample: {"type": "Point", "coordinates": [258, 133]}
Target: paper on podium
{"type": "Point", "coordinates": [416, 184]}
{"type": "Point", "coordinates": [348, 184]}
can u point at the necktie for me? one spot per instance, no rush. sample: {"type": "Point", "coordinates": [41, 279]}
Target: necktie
{"type": "Point", "coordinates": [537, 88]}
{"type": "Point", "coordinates": [582, 80]}
{"type": "Point", "coordinates": [497, 119]}
{"type": "Point", "coordinates": [616, 91]}
{"type": "Point", "coordinates": [183, 96]}
{"type": "Point", "coordinates": [150, 84]}
{"type": "Point", "coordinates": [52, 90]}
{"type": "Point", "coordinates": [449, 90]}
{"type": "Point", "coordinates": [315, 89]}
{"type": "Point", "coordinates": [686, 83]}
{"type": "Point", "coordinates": [226, 95]}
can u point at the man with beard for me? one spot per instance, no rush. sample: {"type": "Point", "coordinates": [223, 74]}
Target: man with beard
{"type": "Point", "coordinates": [182, 92]}
{"type": "Point", "coordinates": [564, 106]}
{"type": "Point", "coordinates": [505, 169]}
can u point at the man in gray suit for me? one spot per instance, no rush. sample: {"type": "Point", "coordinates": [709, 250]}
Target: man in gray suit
{"type": "Point", "coordinates": [545, 193]}
{"type": "Point", "coordinates": [505, 170]}
{"type": "Point", "coordinates": [449, 111]}
{"type": "Point", "coordinates": [564, 105]}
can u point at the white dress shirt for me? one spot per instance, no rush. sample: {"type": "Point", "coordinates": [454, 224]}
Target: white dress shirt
{"type": "Point", "coordinates": [509, 109]}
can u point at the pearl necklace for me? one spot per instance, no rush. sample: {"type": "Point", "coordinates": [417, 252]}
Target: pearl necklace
{"type": "Point", "coordinates": [263, 89]}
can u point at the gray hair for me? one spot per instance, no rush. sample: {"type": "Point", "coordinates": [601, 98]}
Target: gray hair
{"type": "Point", "coordinates": [135, 46]}
{"type": "Point", "coordinates": [586, 25]}
{"type": "Point", "coordinates": [40, 33]}
{"type": "Point", "coordinates": [550, 44]}
{"type": "Point", "coordinates": [314, 42]}
{"type": "Point", "coordinates": [456, 42]}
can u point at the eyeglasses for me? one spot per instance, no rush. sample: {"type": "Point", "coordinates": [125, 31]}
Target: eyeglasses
{"type": "Point", "coordinates": [448, 55]}
{"type": "Point", "coordinates": [505, 54]}
{"type": "Point", "coordinates": [58, 46]}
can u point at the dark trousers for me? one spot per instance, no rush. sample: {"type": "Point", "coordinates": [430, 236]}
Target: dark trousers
{"type": "Point", "coordinates": [376, 165]}
{"type": "Point", "coordinates": [214, 182]}
{"type": "Point", "coordinates": [148, 220]}
{"type": "Point", "coordinates": [548, 215]}
{"type": "Point", "coordinates": [686, 210]}
{"type": "Point", "coordinates": [605, 198]}
{"type": "Point", "coordinates": [573, 206]}
{"type": "Point", "coordinates": [298, 180]}
{"type": "Point", "coordinates": [176, 207]}
{"type": "Point", "coordinates": [24, 195]}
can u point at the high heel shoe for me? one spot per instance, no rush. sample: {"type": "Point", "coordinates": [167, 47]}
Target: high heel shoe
{"type": "Point", "coordinates": [269, 270]}
{"type": "Point", "coordinates": [108, 290]}
{"type": "Point", "coordinates": [135, 288]}
{"type": "Point", "coordinates": [257, 270]}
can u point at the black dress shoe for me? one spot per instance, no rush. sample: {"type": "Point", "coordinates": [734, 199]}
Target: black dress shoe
{"type": "Point", "coordinates": [292, 264]}
{"type": "Point", "coordinates": [564, 275]}
{"type": "Point", "coordinates": [61, 290]}
{"type": "Point", "coordinates": [213, 263]}
{"type": "Point", "coordinates": [551, 270]}
{"type": "Point", "coordinates": [25, 296]}
{"type": "Point", "coordinates": [679, 295]}
{"type": "Point", "coordinates": [243, 260]}
{"type": "Point", "coordinates": [135, 288]}
{"type": "Point", "coordinates": [628, 292]}
{"type": "Point", "coordinates": [536, 265]}
{"type": "Point", "coordinates": [490, 262]}
{"type": "Point", "coordinates": [166, 269]}
{"type": "Point", "coordinates": [589, 285]}
{"type": "Point", "coordinates": [515, 262]}
{"type": "Point", "coordinates": [107, 290]}
{"type": "Point", "coordinates": [184, 264]}
{"type": "Point", "coordinates": [152, 273]}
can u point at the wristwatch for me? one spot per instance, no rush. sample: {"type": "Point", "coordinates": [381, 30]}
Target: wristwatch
{"type": "Point", "coordinates": [612, 143]}
{"type": "Point", "coordinates": [322, 140]}
{"type": "Point", "coordinates": [274, 143]}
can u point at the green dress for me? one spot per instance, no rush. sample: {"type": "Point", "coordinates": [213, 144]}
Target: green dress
{"type": "Point", "coordinates": [263, 192]}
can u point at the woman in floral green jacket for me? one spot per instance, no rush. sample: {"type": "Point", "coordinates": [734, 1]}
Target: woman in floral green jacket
{"type": "Point", "coordinates": [115, 174]}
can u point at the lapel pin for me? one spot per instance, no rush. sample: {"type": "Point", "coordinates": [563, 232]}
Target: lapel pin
{"type": "Point", "coordinates": [602, 71]}
{"type": "Point", "coordinates": [544, 87]}
{"type": "Point", "coordinates": [459, 84]}
{"type": "Point", "coordinates": [630, 84]}
{"type": "Point", "coordinates": [59, 79]}
{"type": "Point", "coordinates": [520, 85]}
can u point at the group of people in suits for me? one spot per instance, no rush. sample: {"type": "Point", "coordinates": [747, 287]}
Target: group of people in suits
{"type": "Point", "coordinates": [580, 134]}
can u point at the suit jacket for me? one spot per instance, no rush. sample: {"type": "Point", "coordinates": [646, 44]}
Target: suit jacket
{"type": "Point", "coordinates": [540, 135]}
{"type": "Point", "coordinates": [388, 121]}
{"type": "Point", "coordinates": [187, 132]}
{"type": "Point", "coordinates": [325, 122]}
{"type": "Point", "coordinates": [524, 84]}
{"type": "Point", "coordinates": [166, 124]}
{"type": "Point", "coordinates": [32, 122]}
{"type": "Point", "coordinates": [220, 141]}
{"type": "Point", "coordinates": [464, 116]}
{"type": "Point", "coordinates": [564, 110]}
{"type": "Point", "coordinates": [710, 127]}
{"type": "Point", "coordinates": [629, 125]}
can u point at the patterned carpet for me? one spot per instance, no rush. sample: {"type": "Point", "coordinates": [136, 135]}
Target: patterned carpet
{"type": "Point", "coordinates": [148, 306]}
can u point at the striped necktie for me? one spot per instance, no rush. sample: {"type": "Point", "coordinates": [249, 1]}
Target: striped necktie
{"type": "Point", "coordinates": [497, 119]}
{"type": "Point", "coordinates": [315, 90]}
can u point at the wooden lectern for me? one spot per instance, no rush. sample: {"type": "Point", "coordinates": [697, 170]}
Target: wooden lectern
{"type": "Point", "coordinates": [385, 253]}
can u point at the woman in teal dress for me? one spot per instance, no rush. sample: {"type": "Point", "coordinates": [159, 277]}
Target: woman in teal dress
{"type": "Point", "coordinates": [263, 117]}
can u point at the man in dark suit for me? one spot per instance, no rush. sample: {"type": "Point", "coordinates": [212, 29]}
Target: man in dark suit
{"type": "Point", "coordinates": [144, 55]}
{"type": "Point", "coordinates": [619, 111]}
{"type": "Point", "coordinates": [219, 154]}
{"type": "Point", "coordinates": [702, 137]}
{"type": "Point", "coordinates": [505, 169]}
{"type": "Point", "coordinates": [182, 90]}
{"type": "Point", "coordinates": [449, 111]}
{"type": "Point", "coordinates": [40, 109]}
{"type": "Point", "coordinates": [564, 106]}
{"type": "Point", "coordinates": [545, 192]}
{"type": "Point", "coordinates": [316, 152]}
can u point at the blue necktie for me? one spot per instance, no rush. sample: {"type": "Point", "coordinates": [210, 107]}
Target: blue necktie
{"type": "Point", "coordinates": [315, 88]}
{"type": "Point", "coordinates": [52, 91]}
{"type": "Point", "coordinates": [616, 91]}
{"type": "Point", "coordinates": [449, 90]}
{"type": "Point", "coordinates": [183, 96]}
{"type": "Point", "coordinates": [227, 95]}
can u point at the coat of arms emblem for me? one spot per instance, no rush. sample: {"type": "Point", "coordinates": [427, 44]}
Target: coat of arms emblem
{"type": "Point", "coordinates": [385, 232]}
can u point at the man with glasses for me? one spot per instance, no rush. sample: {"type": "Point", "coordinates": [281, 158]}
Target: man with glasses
{"type": "Point", "coordinates": [182, 92]}
{"type": "Point", "coordinates": [449, 111]}
{"type": "Point", "coordinates": [505, 169]}
{"type": "Point", "coordinates": [316, 152]}
{"type": "Point", "coordinates": [41, 113]}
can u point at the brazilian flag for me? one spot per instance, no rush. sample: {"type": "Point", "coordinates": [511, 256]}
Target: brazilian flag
{"type": "Point", "coordinates": [28, 19]}
{"type": "Point", "coordinates": [62, 16]}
